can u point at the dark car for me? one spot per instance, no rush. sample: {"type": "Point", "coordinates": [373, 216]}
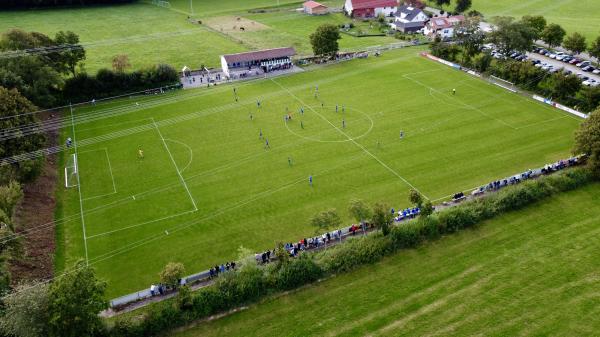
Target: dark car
{"type": "Point", "coordinates": [574, 61]}
{"type": "Point", "coordinates": [567, 59]}
{"type": "Point", "coordinates": [536, 62]}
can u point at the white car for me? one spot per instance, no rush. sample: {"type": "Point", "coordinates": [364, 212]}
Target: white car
{"type": "Point", "coordinates": [552, 56]}
{"type": "Point", "coordinates": [590, 82]}
{"type": "Point", "coordinates": [597, 71]}
{"type": "Point", "coordinates": [547, 67]}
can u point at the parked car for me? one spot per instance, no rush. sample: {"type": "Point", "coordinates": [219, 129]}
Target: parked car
{"type": "Point", "coordinates": [590, 82]}
{"type": "Point", "coordinates": [574, 61]}
{"type": "Point", "coordinates": [596, 71]}
{"type": "Point", "coordinates": [583, 64]}
{"type": "Point", "coordinates": [567, 71]}
{"type": "Point", "coordinates": [567, 59]}
{"type": "Point", "coordinates": [534, 61]}
{"type": "Point", "coordinates": [588, 68]}
{"type": "Point", "coordinates": [582, 77]}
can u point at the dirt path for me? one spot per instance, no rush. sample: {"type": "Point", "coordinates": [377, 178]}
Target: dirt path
{"type": "Point", "coordinates": [35, 261]}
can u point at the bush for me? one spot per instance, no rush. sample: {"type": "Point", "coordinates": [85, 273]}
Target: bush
{"type": "Point", "coordinates": [355, 252]}
{"type": "Point", "coordinates": [83, 87]}
{"type": "Point", "coordinates": [296, 272]}
{"type": "Point", "coordinates": [407, 235]}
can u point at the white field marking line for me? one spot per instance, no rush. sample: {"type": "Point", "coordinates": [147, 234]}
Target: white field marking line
{"type": "Point", "coordinates": [504, 95]}
{"type": "Point", "coordinates": [337, 141]}
{"type": "Point", "coordinates": [189, 149]}
{"type": "Point", "coordinates": [133, 245]}
{"type": "Point", "coordinates": [542, 122]}
{"type": "Point", "coordinates": [112, 177]}
{"type": "Point", "coordinates": [140, 224]}
{"type": "Point", "coordinates": [352, 140]}
{"type": "Point", "coordinates": [462, 103]}
{"type": "Point", "coordinates": [175, 164]}
{"type": "Point", "coordinates": [79, 189]}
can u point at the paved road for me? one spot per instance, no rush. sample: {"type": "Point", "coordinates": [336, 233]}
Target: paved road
{"type": "Point", "coordinates": [559, 64]}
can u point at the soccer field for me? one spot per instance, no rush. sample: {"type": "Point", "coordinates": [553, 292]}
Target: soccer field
{"type": "Point", "coordinates": [207, 184]}
{"type": "Point", "coordinates": [530, 273]}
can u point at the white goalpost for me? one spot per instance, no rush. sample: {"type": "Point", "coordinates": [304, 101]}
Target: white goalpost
{"type": "Point", "coordinates": [71, 171]}
{"type": "Point", "coordinates": [161, 3]}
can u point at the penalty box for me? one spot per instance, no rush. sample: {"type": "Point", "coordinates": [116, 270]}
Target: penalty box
{"type": "Point", "coordinates": [126, 195]}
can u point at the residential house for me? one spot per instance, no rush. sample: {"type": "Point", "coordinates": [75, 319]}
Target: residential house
{"type": "Point", "coordinates": [409, 19]}
{"type": "Point", "coordinates": [443, 27]}
{"type": "Point", "coordinates": [370, 8]}
{"type": "Point", "coordinates": [314, 8]}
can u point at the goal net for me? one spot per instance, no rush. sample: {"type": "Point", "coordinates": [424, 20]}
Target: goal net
{"type": "Point", "coordinates": [503, 84]}
{"type": "Point", "coordinates": [161, 3]}
{"type": "Point", "coordinates": [71, 171]}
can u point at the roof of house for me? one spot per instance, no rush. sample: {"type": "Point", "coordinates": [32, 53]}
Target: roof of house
{"type": "Point", "coordinates": [440, 23]}
{"type": "Point", "coordinates": [260, 55]}
{"type": "Point", "coordinates": [312, 4]}
{"type": "Point", "coordinates": [419, 24]}
{"type": "Point", "coordinates": [363, 4]}
{"type": "Point", "coordinates": [409, 12]}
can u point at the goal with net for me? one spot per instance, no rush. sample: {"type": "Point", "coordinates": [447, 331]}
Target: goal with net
{"type": "Point", "coordinates": [71, 171]}
{"type": "Point", "coordinates": [161, 3]}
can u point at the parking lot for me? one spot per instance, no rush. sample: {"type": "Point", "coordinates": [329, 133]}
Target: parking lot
{"type": "Point", "coordinates": [543, 59]}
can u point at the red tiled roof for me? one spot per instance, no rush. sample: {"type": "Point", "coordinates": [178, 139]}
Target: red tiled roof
{"type": "Point", "coordinates": [312, 4]}
{"type": "Point", "coordinates": [362, 4]}
{"type": "Point", "coordinates": [260, 55]}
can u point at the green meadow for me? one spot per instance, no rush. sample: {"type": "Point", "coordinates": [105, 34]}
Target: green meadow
{"type": "Point", "coordinates": [528, 273]}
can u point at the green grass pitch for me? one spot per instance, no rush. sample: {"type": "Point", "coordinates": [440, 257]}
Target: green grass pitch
{"type": "Point", "coordinates": [207, 180]}
{"type": "Point", "coordinates": [533, 273]}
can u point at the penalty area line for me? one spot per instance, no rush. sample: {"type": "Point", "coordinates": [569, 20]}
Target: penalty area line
{"type": "Point", "coordinates": [175, 164]}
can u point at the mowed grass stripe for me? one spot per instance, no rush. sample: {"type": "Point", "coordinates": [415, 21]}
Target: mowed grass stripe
{"type": "Point", "coordinates": [237, 183]}
{"type": "Point", "coordinates": [524, 273]}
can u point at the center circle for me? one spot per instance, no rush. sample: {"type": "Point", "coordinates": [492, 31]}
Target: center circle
{"type": "Point", "coordinates": [314, 110]}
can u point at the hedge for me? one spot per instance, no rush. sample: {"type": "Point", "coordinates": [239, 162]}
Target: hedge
{"type": "Point", "coordinates": [107, 83]}
{"type": "Point", "coordinates": [251, 282]}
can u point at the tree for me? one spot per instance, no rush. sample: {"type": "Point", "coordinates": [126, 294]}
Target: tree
{"type": "Point", "coordinates": [589, 98]}
{"type": "Point", "coordinates": [26, 311]}
{"type": "Point", "coordinates": [12, 108]}
{"type": "Point", "coordinates": [595, 48]}
{"type": "Point", "coordinates": [382, 217]}
{"type": "Point", "coordinates": [553, 35]}
{"type": "Point", "coordinates": [120, 63]}
{"type": "Point", "coordinates": [171, 274]}
{"type": "Point", "coordinates": [75, 300]}
{"type": "Point", "coordinates": [415, 197]}
{"type": "Point", "coordinates": [71, 57]}
{"type": "Point", "coordinates": [536, 22]}
{"type": "Point", "coordinates": [462, 5]}
{"type": "Point", "coordinates": [561, 87]}
{"type": "Point", "coordinates": [427, 209]}
{"type": "Point", "coordinates": [587, 140]}
{"type": "Point", "coordinates": [510, 35]}
{"type": "Point", "coordinates": [359, 210]}
{"type": "Point", "coordinates": [324, 40]}
{"type": "Point", "coordinates": [469, 37]}
{"type": "Point", "coordinates": [184, 298]}
{"type": "Point", "coordinates": [441, 3]}
{"type": "Point", "coordinates": [326, 219]}
{"type": "Point", "coordinates": [575, 43]}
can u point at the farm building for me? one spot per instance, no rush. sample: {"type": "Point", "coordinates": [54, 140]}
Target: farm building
{"type": "Point", "coordinates": [314, 8]}
{"type": "Point", "coordinates": [261, 60]}
{"type": "Point", "coordinates": [370, 8]}
{"type": "Point", "coordinates": [409, 19]}
{"type": "Point", "coordinates": [443, 27]}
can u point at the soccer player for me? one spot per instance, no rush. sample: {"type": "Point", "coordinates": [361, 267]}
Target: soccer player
{"type": "Point", "coordinates": [140, 153]}
{"type": "Point", "coordinates": [251, 117]}
{"type": "Point", "coordinates": [290, 161]}
{"type": "Point", "coordinates": [258, 103]}
{"type": "Point", "coordinates": [267, 146]}
{"type": "Point", "coordinates": [301, 125]}
{"type": "Point", "coordinates": [260, 134]}
{"type": "Point", "coordinates": [69, 142]}
{"type": "Point", "coordinates": [343, 109]}
{"type": "Point", "coordinates": [310, 180]}
{"type": "Point", "coordinates": [336, 108]}
{"type": "Point", "coordinates": [401, 134]}
{"type": "Point", "coordinates": [343, 123]}
{"type": "Point", "coordinates": [453, 91]}
{"type": "Point", "coordinates": [302, 111]}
